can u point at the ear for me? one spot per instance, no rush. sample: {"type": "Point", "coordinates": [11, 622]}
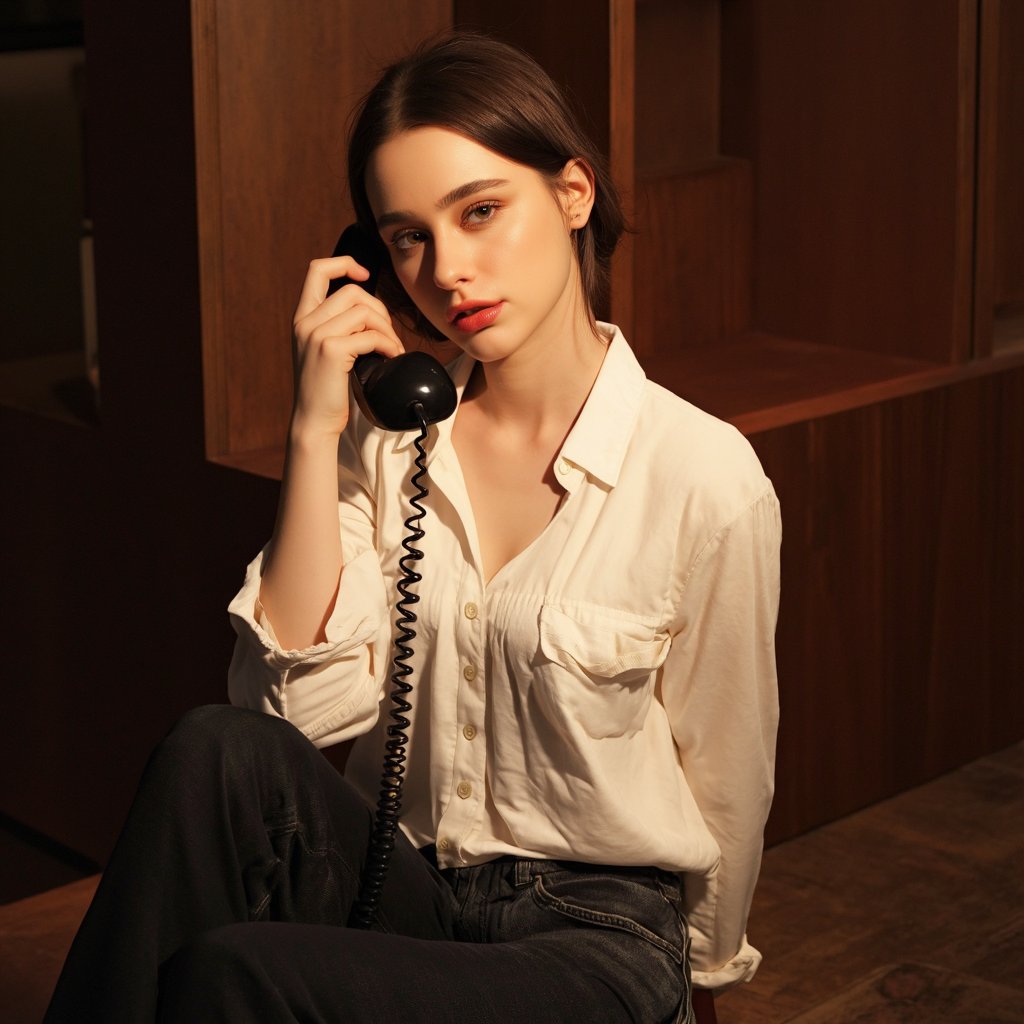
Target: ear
{"type": "Point", "coordinates": [576, 192]}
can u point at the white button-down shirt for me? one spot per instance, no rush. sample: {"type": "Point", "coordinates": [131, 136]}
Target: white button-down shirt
{"type": "Point", "coordinates": [609, 696]}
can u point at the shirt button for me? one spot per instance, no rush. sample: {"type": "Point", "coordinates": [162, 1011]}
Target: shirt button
{"type": "Point", "coordinates": [465, 790]}
{"type": "Point", "coordinates": [443, 844]}
{"type": "Point", "coordinates": [563, 467]}
{"type": "Point", "coordinates": [469, 672]}
{"type": "Point", "coordinates": [471, 610]}
{"type": "Point", "coordinates": [469, 731]}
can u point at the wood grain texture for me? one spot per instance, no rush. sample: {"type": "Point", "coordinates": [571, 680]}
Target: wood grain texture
{"type": "Point", "coordinates": [929, 877]}
{"type": "Point", "coordinates": [622, 156]}
{"type": "Point", "coordinates": [919, 994]}
{"type": "Point", "coordinates": [899, 656]}
{"type": "Point", "coordinates": [858, 114]}
{"type": "Point", "coordinates": [678, 80]}
{"type": "Point", "coordinates": [985, 179]}
{"type": "Point", "coordinates": [274, 88]}
{"type": "Point", "coordinates": [692, 254]}
{"type": "Point", "coordinates": [1009, 204]}
{"type": "Point", "coordinates": [117, 533]}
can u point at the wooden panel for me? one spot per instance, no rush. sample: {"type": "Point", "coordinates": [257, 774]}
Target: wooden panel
{"type": "Point", "coordinates": [275, 84]}
{"type": "Point", "coordinates": [570, 40]}
{"type": "Point", "coordinates": [123, 545]}
{"type": "Point", "coordinates": [900, 649]}
{"type": "Point", "coordinates": [860, 126]}
{"type": "Point", "coordinates": [985, 202]}
{"type": "Point", "coordinates": [758, 381]}
{"type": "Point", "coordinates": [835, 741]}
{"type": "Point", "coordinates": [693, 258]}
{"type": "Point", "coordinates": [677, 85]}
{"type": "Point", "coordinates": [999, 264]}
{"type": "Point", "coordinates": [1009, 212]}
{"type": "Point", "coordinates": [622, 156]}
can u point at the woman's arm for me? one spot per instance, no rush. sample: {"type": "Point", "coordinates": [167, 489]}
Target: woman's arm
{"type": "Point", "coordinates": [301, 572]}
{"type": "Point", "coordinates": [721, 695]}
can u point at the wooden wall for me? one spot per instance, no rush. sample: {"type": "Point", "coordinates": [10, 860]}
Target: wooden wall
{"type": "Point", "coordinates": [122, 544]}
{"type": "Point", "coordinates": [896, 451]}
{"type": "Point", "coordinates": [900, 654]}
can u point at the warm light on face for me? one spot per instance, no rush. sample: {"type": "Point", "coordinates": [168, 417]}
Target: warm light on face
{"type": "Point", "coordinates": [480, 243]}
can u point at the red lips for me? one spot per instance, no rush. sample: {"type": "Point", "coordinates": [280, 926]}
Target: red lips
{"type": "Point", "coordinates": [474, 316]}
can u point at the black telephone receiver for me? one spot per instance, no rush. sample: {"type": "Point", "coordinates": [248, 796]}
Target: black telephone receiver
{"type": "Point", "coordinates": [401, 393]}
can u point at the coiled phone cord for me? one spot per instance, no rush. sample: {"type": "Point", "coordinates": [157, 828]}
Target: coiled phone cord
{"type": "Point", "coordinates": [385, 823]}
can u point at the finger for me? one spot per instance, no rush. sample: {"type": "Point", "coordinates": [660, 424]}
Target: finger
{"type": "Point", "coordinates": [349, 296]}
{"type": "Point", "coordinates": [347, 329]}
{"type": "Point", "coordinates": [354, 311]}
{"type": "Point", "coordinates": [352, 295]}
{"type": "Point", "coordinates": [320, 274]}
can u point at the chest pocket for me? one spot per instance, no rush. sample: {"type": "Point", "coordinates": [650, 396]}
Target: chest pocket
{"type": "Point", "coordinates": [596, 668]}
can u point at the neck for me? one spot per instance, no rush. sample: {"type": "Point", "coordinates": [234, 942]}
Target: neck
{"type": "Point", "coordinates": [541, 388]}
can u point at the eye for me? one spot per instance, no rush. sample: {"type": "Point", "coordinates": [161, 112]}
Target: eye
{"type": "Point", "coordinates": [404, 241]}
{"type": "Point", "coordinates": [480, 213]}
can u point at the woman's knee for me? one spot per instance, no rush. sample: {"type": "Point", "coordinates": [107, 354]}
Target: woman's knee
{"type": "Point", "coordinates": [221, 729]}
{"type": "Point", "coordinates": [218, 976]}
{"type": "Point", "coordinates": [221, 741]}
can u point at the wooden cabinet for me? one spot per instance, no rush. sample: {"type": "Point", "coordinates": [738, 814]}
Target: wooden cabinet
{"type": "Point", "coordinates": [808, 217]}
{"type": "Point", "coordinates": [274, 87]}
{"type": "Point", "coordinates": [827, 211]}
{"type": "Point", "coordinates": [826, 250]}
{"type": "Point", "coordinates": [823, 197]}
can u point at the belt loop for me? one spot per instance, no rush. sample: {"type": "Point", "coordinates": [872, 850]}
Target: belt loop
{"type": "Point", "coordinates": [523, 875]}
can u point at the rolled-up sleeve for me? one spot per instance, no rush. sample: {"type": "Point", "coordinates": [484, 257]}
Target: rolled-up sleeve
{"type": "Point", "coordinates": [721, 695]}
{"type": "Point", "coordinates": [332, 690]}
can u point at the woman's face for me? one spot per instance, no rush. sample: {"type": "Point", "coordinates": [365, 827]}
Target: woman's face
{"type": "Point", "coordinates": [480, 243]}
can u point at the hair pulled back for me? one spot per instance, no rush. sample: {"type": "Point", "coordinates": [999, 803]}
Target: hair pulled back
{"type": "Point", "coordinates": [498, 96]}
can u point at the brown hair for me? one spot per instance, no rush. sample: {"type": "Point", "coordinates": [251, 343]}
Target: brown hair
{"type": "Point", "coordinates": [497, 96]}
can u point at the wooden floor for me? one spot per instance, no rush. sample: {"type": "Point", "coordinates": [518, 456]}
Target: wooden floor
{"type": "Point", "coordinates": [911, 911]}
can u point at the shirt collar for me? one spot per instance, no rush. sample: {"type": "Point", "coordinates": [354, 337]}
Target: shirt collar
{"type": "Point", "coordinates": [598, 440]}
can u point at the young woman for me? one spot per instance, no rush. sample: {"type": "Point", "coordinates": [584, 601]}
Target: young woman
{"type": "Point", "coordinates": [591, 745]}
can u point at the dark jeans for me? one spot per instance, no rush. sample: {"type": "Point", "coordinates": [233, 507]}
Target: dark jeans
{"type": "Point", "coordinates": [227, 895]}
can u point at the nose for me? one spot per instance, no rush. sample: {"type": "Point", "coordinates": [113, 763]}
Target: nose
{"type": "Point", "coordinates": [452, 260]}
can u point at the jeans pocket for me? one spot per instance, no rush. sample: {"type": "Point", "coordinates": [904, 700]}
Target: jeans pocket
{"type": "Point", "coordinates": [618, 902]}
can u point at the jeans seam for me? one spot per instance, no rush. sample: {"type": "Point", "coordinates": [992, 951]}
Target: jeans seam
{"type": "Point", "coordinates": [615, 921]}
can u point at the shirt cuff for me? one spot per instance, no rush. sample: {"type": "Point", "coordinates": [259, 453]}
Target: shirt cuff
{"type": "Point", "coordinates": [359, 609]}
{"type": "Point", "coordinates": [742, 967]}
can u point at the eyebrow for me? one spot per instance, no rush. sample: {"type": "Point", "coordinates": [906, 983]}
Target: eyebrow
{"type": "Point", "coordinates": [471, 188]}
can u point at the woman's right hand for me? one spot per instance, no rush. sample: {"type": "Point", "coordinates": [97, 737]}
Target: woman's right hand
{"type": "Point", "coordinates": [330, 332]}
{"type": "Point", "coordinates": [301, 573]}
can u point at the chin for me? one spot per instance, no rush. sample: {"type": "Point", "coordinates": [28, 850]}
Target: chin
{"type": "Point", "coordinates": [488, 346]}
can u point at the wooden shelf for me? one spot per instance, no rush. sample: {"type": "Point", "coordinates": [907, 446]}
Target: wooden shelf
{"type": "Point", "coordinates": [759, 381]}
{"type": "Point", "coordinates": [753, 224]}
